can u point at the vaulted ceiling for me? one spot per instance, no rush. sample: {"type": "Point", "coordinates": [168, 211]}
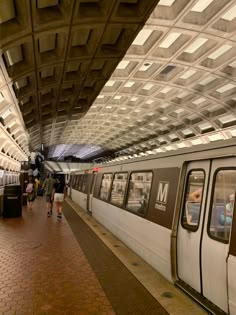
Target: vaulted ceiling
{"type": "Point", "coordinates": [88, 77]}
{"type": "Point", "coordinates": [56, 55]}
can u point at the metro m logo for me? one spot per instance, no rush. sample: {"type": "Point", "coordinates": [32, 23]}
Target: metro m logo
{"type": "Point", "coordinates": [162, 192]}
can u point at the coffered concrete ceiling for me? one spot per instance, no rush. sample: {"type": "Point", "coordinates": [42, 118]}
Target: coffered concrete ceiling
{"type": "Point", "coordinates": [56, 55]}
{"type": "Point", "coordinates": [175, 86]}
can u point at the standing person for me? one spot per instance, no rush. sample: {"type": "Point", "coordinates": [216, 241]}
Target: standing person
{"type": "Point", "coordinates": [30, 190]}
{"type": "Point", "coordinates": [229, 209]}
{"type": "Point", "coordinates": [48, 187]}
{"type": "Point", "coordinates": [143, 203]}
{"type": "Point", "coordinates": [59, 193]}
{"type": "Point", "coordinates": [225, 218]}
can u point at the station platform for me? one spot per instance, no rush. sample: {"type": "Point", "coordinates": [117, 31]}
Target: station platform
{"type": "Point", "coordinates": [76, 267]}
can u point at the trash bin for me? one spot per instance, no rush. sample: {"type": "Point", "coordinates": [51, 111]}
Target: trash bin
{"type": "Point", "coordinates": [24, 199]}
{"type": "Point", "coordinates": [12, 201]}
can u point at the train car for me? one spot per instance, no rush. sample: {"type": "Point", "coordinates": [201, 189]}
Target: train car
{"type": "Point", "coordinates": [176, 212]}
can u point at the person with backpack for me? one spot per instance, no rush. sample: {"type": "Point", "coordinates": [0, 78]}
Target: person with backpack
{"type": "Point", "coordinates": [30, 190]}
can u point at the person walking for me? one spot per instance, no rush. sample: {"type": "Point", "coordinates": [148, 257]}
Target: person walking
{"type": "Point", "coordinates": [48, 187]}
{"type": "Point", "coordinates": [59, 193]}
{"type": "Point", "coordinates": [31, 194]}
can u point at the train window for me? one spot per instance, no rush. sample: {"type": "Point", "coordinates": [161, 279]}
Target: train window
{"type": "Point", "coordinates": [222, 205]}
{"type": "Point", "coordinates": [73, 181]}
{"type": "Point", "coordinates": [193, 199]}
{"type": "Point", "coordinates": [84, 185]}
{"type": "Point", "coordinates": [77, 182]}
{"type": "Point", "coordinates": [105, 186]}
{"type": "Point", "coordinates": [80, 182]}
{"type": "Point", "coordinates": [118, 188]}
{"type": "Point", "coordinates": [139, 191]}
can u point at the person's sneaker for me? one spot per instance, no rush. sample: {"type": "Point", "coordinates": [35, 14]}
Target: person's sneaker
{"type": "Point", "coordinates": [59, 216]}
{"type": "Point", "coordinates": [49, 213]}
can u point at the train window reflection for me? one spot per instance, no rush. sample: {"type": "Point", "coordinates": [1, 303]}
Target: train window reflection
{"type": "Point", "coordinates": [139, 191]}
{"type": "Point", "coordinates": [80, 182]}
{"type": "Point", "coordinates": [77, 181]}
{"type": "Point", "coordinates": [105, 186]}
{"type": "Point", "coordinates": [74, 181]}
{"type": "Point", "coordinates": [222, 205]}
{"type": "Point", "coordinates": [193, 199]}
{"type": "Point", "coordinates": [84, 183]}
{"type": "Point", "coordinates": [118, 188]}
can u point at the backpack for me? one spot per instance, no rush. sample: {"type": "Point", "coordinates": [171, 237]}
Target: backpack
{"type": "Point", "coordinates": [29, 188]}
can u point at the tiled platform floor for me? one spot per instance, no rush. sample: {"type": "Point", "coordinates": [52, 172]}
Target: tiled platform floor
{"type": "Point", "coordinates": [43, 270]}
{"type": "Point", "coordinates": [174, 301]}
{"type": "Point", "coordinates": [125, 293]}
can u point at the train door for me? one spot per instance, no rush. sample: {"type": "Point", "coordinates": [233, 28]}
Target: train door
{"type": "Point", "coordinates": [90, 193]}
{"type": "Point", "coordinates": [216, 233]}
{"type": "Point", "coordinates": [190, 224]}
{"type": "Point", "coordinates": [204, 229]}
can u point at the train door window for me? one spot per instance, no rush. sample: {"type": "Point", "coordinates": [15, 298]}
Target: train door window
{"type": "Point", "coordinates": [73, 182]}
{"type": "Point", "coordinates": [222, 205]}
{"type": "Point", "coordinates": [80, 182]}
{"type": "Point", "coordinates": [118, 188]}
{"type": "Point", "coordinates": [77, 182]}
{"type": "Point", "coordinates": [105, 186]}
{"type": "Point", "coordinates": [84, 185]}
{"type": "Point", "coordinates": [193, 199]}
{"type": "Point", "coordinates": [139, 191]}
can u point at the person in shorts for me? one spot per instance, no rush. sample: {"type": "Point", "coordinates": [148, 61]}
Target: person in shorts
{"type": "Point", "coordinates": [59, 193]}
{"type": "Point", "coordinates": [48, 187]}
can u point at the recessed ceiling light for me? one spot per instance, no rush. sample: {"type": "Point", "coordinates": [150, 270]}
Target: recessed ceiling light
{"type": "Point", "coordinates": [230, 15]}
{"type": "Point", "coordinates": [142, 37]}
{"type": "Point", "coordinates": [201, 5]}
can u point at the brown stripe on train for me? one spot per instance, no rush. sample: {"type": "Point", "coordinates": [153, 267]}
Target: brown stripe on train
{"type": "Point", "coordinates": [163, 196]}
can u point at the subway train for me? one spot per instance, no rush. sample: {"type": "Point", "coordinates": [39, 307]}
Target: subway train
{"type": "Point", "coordinates": [174, 210]}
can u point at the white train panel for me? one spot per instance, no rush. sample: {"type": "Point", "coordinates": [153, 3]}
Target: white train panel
{"type": "Point", "coordinates": [232, 284]}
{"type": "Point", "coordinates": [149, 240]}
{"type": "Point", "coordinates": [79, 198]}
